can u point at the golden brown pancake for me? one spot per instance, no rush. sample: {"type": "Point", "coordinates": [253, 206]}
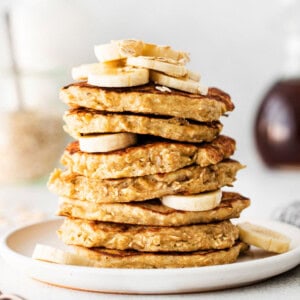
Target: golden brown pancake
{"type": "Point", "coordinates": [152, 212]}
{"type": "Point", "coordinates": [89, 234]}
{"type": "Point", "coordinates": [106, 258]}
{"type": "Point", "coordinates": [146, 159]}
{"type": "Point", "coordinates": [148, 100]}
{"type": "Point", "coordinates": [188, 180]}
{"type": "Point", "coordinates": [86, 121]}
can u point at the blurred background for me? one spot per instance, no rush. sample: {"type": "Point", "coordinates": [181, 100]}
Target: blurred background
{"type": "Point", "coordinates": [242, 47]}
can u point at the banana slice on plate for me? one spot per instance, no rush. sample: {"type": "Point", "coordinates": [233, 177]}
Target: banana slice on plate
{"type": "Point", "coordinates": [182, 84]}
{"type": "Point", "coordinates": [158, 64]}
{"type": "Point", "coordinates": [200, 202]}
{"type": "Point", "coordinates": [119, 77]}
{"type": "Point", "coordinates": [51, 254]}
{"type": "Point", "coordinates": [82, 72]}
{"type": "Point", "coordinates": [264, 238]}
{"type": "Point", "coordinates": [106, 142]}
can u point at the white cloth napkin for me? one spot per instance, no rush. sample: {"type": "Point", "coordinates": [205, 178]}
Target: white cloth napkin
{"type": "Point", "coordinates": [289, 214]}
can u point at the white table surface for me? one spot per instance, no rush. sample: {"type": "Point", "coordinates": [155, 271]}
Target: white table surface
{"type": "Point", "coordinates": [268, 190]}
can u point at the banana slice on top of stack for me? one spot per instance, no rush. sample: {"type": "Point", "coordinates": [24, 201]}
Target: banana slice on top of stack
{"type": "Point", "coordinates": [127, 63]}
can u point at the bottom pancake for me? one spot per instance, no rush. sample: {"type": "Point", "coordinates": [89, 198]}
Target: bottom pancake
{"type": "Point", "coordinates": [105, 258]}
{"type": "Point", "coordinates": [90, 234]}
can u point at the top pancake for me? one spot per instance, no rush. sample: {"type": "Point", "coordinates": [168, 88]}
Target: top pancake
{"type": "Point", "coordinates": [147, 99]}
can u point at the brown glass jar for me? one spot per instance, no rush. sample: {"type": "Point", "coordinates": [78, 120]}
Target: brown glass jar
{"type": "Point", "coordinates": [277, 125]}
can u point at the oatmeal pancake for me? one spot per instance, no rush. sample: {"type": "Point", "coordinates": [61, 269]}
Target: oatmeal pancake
{"type": "Point", "coordinates": [146, 159]}
{"type": "Point", "coordinates": [147, 99]}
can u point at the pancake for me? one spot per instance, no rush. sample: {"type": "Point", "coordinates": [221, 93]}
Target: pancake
{"type": "Point", "coordinates": [148, 238]}
{"type": "Point", "coordinates": [152, 212]}
{"type": "Point", "coordinates": [146, 159]}
{"type": "Point", "coordinates": [106, 258]}
{"type": "Point", "coordinates": [148, 100]}
{"type": "Point", "coordinates": [189, 180]}
{"type": "Point", "coordinates": [85, 121]}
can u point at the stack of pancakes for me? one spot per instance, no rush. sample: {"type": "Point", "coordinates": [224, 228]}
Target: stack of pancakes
{"type": "Point", "coordinates": [111, 201]}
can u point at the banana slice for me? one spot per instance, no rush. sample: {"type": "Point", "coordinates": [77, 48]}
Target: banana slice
{"type": "Point", "coordinates": [106, 142]}
{"type": "Point", "coordinates": [264, 238]}
{"type": "Point", "coordinates": [51, 254]}
{"type": "Point", "coordinates": [193, 75]}
{"type": "Point", "coordinates": [119, 77]}
{"type": "Point", "coordinates": [200, 202]}
{"type": "Point", "coordinates": [165, 52]}
{"type": "Point", "coordinates": [120, 49]}
{"type": "Point", "coordinates": [158, 64]}
{"type": "Point", "coordinates": [130, 47]}
{"type": "Point", "coordinates": [108, 52]}
{"type": "Point", "coordinates": [82, 72]}
{"type": "Point", "coordinates": [182, 84]}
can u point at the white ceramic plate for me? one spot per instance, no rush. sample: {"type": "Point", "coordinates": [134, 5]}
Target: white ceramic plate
{"type": "Point", "coordinates": [17, 247]}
